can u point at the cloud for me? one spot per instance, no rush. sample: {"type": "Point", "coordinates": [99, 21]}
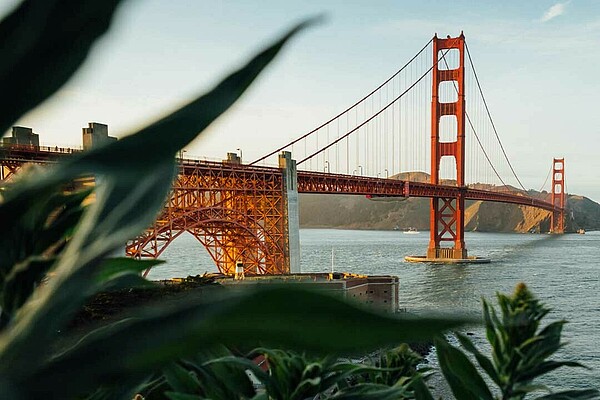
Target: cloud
{"type": "Point", "coordinates": [554, 11]}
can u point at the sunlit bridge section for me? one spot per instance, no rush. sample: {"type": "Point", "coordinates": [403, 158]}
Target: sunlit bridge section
{"type": "Point", "coordinates": [426, 131]}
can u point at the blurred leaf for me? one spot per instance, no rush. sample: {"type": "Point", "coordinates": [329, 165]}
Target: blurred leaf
{"type": "Point", "coordinates": [180, 379]}
{"type": "Point", "coordinates": [421, 390]}
{"type": "Point", "coordinates": [36, 60]}
{"type": "Point", "coordinates": [134, 187]}
{"type": "Point", "coordinates": [225, 377]}
{"type": "Point", "coordinates": [37, 225]}
{"type": "Point", "coordinates": [112, 267]}
{"type": "Point", "coordinates": [160, 141]}
{"type": "Point", "coordinates": [21, 282]}
{"type": "Point", "coordinates": [122, 273]}
{"type": "Point", "coordinates": [126, 281]}
{"type": "Point", "coordinates": [461, 375]}
{"type": "Point", "coordinates": [287, 316]}
{"type": "Point", "coordinates": [104, 227]}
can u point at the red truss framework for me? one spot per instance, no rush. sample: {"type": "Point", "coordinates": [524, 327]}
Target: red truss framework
{"type": "Point", "coordinates": [14, 156]}
{"type": "Point", "coordinates": [238, 213]}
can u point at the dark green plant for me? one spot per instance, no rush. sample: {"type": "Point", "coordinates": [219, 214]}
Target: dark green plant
{"type": "Point", "coordinates": [397, 367]}
{"type": "Point", "coordinates": [282, 375]}
{"type": "Point", "coordinates": [521, 352]}
{"type": "Point", "coordinates": [214, 374]}
{"type": "Point", "coordinates": [397, 364]}
{"type": "Point", "coordinates": [295, 376]}
{"type": "Point", "coordinates": [134, 175]}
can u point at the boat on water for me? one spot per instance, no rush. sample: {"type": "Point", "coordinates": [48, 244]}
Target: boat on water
{"type": "Point", "coordinates": [411, 231]}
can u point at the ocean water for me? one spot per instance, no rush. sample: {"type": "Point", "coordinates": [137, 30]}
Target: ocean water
{"type": "Point", "coordinates": [562, 270]}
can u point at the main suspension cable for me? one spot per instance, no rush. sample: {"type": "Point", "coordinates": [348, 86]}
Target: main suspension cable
{"type": "Point", "coordinates": [474, 131]}
{"type": "Point", "coordinates": [546, 180]}
{"type": "Point", "coordinates": [346, 110]}
{"type": "Point", "coordinates": [491, 120]}
{"type": "Point", "coordinates": [376, 114]}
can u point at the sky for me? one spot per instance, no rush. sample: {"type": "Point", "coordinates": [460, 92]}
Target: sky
{"type": "Point", "coordinates": [537, 62]}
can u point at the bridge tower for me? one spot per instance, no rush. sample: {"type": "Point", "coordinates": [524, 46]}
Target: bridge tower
{"type": "Point", "coordinates": [557, 220]}
{"type": "Point", "coordinates": [447, 214]}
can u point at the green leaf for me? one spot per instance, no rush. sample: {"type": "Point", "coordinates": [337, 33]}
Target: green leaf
{"type": "Point", "coordinates": [288, 316]}
{"type": "Point", "coordinates": [37, 225]}
{"type": "Point", "coordinates": [180, 379]}
{"type": "Point", "coordinates": [461, 375]}
{"type": "Point", "coordinates": [421, 391]}
{"type": "Point", "coordinates": [122, 272]}
{"type": "Point", "coordinates": [43, 43]}
{"type": "Point", "coordinates": [105, 226]}
{"type": "Point", "coordinates": [21, 282]}
{"type": "Point", "coordinates": [116, 266]}
{"type": "Point", "coordinates": [482, 360]}
{"type": "Point", "coordinates": [229, 378]}
{"type": "Point", "coordinates": [134, 187]}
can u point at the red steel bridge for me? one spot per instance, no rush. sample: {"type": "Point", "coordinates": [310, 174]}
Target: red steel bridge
{"type": "Point", "coordinates": [415, 135]}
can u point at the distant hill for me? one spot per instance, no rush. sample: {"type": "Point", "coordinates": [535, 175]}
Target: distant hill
{"type": "Point", "coordinates": [358, 212]}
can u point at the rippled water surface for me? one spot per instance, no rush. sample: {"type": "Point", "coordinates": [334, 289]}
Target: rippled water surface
{"type": "Point", "coordinates": [563, 271]}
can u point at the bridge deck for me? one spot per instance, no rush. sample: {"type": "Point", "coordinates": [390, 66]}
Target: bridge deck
{"type": "Point", "coordinates": [308, 182]}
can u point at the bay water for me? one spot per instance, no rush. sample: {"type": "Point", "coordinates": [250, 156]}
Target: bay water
{"type": "Point", "coordinates": [562, 270]}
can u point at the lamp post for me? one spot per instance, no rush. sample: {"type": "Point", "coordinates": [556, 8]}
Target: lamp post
{"type": "Point", "coordinates": [361, 170]}
{"type": "Point", "coordinates": [326, 167]}
{"type": "Point", "coordinates": [240, 150]}
{"type": "Point", "coordinates": [386, 173]}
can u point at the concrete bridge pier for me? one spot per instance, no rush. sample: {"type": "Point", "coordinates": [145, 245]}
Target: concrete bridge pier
{"type": "Point", "coordinates": [290, 198]}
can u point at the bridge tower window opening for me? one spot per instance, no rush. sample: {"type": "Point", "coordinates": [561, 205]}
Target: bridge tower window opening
{"type": "Point", "coordinates": [452, 58]}
{"type": "Point", "coordinates": [447, 173]}
{"type": "Point", "coordinates": [448, 92]}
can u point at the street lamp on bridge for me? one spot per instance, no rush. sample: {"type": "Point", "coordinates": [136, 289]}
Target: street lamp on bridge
{"type": "Point", "coordinates": [361, 170]}
{"type": "Point", "coordinates": [326, 167]}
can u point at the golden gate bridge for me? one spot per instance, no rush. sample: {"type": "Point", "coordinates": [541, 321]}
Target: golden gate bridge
{"type": "Point", "coordinates": [426, 131]}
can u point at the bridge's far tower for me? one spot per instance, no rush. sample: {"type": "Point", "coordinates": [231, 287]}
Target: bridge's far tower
{"type": "Point", "coordinates": [447, 215]}
{"type": "Point", "coordinates": [557, 220]}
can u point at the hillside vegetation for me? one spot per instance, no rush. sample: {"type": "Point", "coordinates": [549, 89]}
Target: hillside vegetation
{"type": "Point", "coordinates": [358, 212]}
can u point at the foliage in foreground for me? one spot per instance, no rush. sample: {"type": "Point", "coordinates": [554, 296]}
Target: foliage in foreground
{"type": "Point", "coordinates": [520, 348]}
{"type": "Point", "coordinates": [520, 353]}
{"type": "Point", "coordinates": [288, 375]}
{"type": "Point", "coordinates": [47, 231]}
